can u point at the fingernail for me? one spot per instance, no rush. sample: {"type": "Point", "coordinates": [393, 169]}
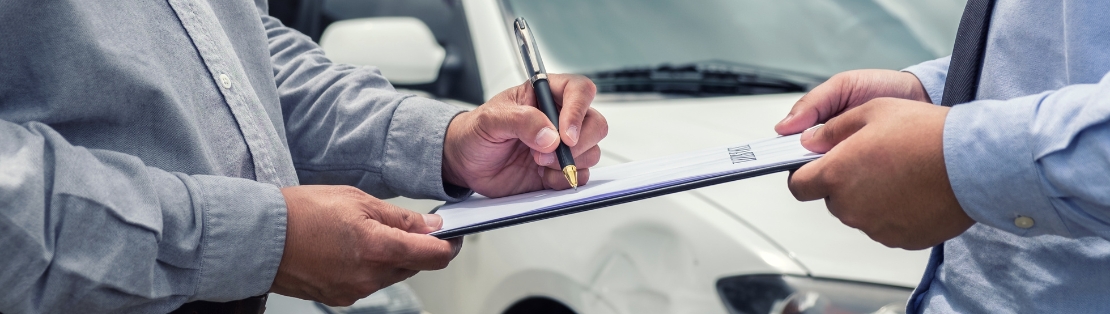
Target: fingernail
{"type": "Point", "coordinates": [433, 220]}
{"type": "Point", "coordinates": [546, 137]}
{"type": "Point", "coordinates": [572, 131]}
{"type": "Point", "coordinates": [788, 116]}
{"type": "Point", "coordinates": [547, 159]}
{"type": "Point", "coordinates": [808, 133]}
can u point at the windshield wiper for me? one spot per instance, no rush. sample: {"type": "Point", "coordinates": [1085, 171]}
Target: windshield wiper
{"type": "Point", "coordinates": [712, 78]}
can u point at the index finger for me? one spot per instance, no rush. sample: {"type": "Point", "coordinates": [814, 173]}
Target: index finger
{"type": "Point", "coordinates": [807, 183]}
{"type": "Point", "coordinates": [574, 93]}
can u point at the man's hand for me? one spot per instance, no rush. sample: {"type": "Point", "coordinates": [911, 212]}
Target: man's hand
{"type": "Point", "coordinates": [884, 169]}
{"type": "Point", "coordinates": [507, 145]}
{"type": "Point", "coordinates": [884, 173]}
{"type": "Point", "coordinates": [848, 90]}
{"type": "Point", "coordinates": [342, 245]}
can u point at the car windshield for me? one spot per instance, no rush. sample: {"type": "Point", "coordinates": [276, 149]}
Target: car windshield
{"type": "Point", "coordinates": [815, 38]}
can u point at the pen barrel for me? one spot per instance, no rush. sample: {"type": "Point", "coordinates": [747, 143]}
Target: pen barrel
{"type": "Point", "coordinates": [565, 158]}
{"type": "Point", "coordinates": [547, 106]}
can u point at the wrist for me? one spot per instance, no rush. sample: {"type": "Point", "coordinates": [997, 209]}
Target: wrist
{"type": "Point", "coordinates": [916, 88]}
{"type": "Point", "coordinates": [450, 157]}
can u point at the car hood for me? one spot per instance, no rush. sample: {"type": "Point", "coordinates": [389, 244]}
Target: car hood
{"type": "Point", "coordinates": [806, 232]}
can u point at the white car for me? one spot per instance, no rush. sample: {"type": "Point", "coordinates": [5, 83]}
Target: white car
{"type": "Point", "coordinates": [673, 76]}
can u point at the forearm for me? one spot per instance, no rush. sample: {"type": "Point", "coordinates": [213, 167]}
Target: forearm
{"type": "Point", "coordinates": [347, 125]}
{"type": "Point", "coordinates": [98, 231]}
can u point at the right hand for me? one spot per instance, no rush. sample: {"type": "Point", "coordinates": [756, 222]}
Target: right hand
{"type": "Point", "coordinates": [486, 150]}
{"type": "Point", "coordinates": [848, 90]}
{"type": "Point", "coordinates": [342, 244]}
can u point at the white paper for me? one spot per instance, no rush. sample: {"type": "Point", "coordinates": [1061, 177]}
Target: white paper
{"type": "Point", "coordinates": [628, 178]}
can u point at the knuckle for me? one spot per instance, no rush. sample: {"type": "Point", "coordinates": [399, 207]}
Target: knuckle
{"type": "Point", "coordinates": [481, 116]}
{"type": "Point", "coordinates": [841, 81]}
{"type": "Point", "coordinates": [830, 130]}
{"type": "Point", "coordinates": [485, 114]}
{"type": "Point", "coordinates": [841, 78]}
{"type": "Point", "coordinates": [588, 85]}
{"type": "Point", "coordinates": [408, 218]}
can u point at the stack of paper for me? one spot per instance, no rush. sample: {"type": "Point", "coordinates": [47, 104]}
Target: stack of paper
{"type": "Point", "coordinates": [480, 213]}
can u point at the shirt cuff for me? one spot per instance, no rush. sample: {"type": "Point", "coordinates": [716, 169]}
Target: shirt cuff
{"type": "Point", "coordinates": [932, 75]}
{"type": "Point", "coordinates": [244, 237]}
{"type": "Point", "coordinates": [412, 164]}
{"type": "Point", "coordinates": [991, 167]}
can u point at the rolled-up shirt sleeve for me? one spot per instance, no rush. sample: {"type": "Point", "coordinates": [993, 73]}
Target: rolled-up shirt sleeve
{"type": "Point", "coordinates": [1034, 165]}
{"type": "Point", "coordinates": [347, 125]}
{"type": "Point", "coordinates": [87, 230]}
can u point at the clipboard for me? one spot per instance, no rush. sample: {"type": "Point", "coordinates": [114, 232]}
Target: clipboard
{"type": "Point", "coordinates": [615, 200]}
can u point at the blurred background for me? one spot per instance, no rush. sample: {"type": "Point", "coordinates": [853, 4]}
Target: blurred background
{"type": "Point", "coordinates": [672, 76]}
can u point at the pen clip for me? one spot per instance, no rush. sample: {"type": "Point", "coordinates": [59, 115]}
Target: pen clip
{"type": "Point", "coordinates": [529, 51]}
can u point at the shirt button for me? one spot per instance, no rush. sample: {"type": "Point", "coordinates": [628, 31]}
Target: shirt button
{"type": "Point", "coordinates": [1023, 222]}
{"type": "Point", "coordinates": [225, 81]}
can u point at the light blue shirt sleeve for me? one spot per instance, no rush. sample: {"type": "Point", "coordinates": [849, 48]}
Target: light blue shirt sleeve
{"type": "Point", "coordinates": [1045, 157]}
{"type": "Point", "coordinates": [932, 74]}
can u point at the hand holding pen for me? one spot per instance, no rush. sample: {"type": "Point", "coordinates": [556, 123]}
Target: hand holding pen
{"type": "Point", "coordinates": [508, 145]}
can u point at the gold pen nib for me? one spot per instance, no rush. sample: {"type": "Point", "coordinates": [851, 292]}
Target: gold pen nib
{"type": "Point", "coordinates": [571, 173]}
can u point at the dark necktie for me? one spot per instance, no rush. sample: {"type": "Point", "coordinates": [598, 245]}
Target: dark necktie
{"type": "Point", "coordinates": [967, 55]}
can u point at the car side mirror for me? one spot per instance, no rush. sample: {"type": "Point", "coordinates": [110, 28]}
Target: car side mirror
{"type": "Point", "coordinates": [403, 48]}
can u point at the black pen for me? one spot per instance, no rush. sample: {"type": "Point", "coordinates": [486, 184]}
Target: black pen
{"type": "Point", "coordinates": [537, 75]}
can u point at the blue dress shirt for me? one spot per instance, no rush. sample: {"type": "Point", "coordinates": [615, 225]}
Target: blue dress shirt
{"type": "Point", "coordinates": [142, 145]}
{"type": "Point", "coordinates": [1029, 160]}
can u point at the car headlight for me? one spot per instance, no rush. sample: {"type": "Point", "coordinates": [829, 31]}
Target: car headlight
{"type": "Point", "coordinates": [779, 294]}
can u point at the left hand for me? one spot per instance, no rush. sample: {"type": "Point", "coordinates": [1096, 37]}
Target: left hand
{"type": "Point", "coordinates": [884, 173]}
{"type": "Point", "coordinates": [507, 145]}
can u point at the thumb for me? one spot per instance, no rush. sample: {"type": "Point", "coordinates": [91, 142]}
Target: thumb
{"type": "Point", "coordinates": [823, 137]}
{"type": "Point", "coordinates": [818, 105]}
{"type": "Point", "coordinates": [407, 220]}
